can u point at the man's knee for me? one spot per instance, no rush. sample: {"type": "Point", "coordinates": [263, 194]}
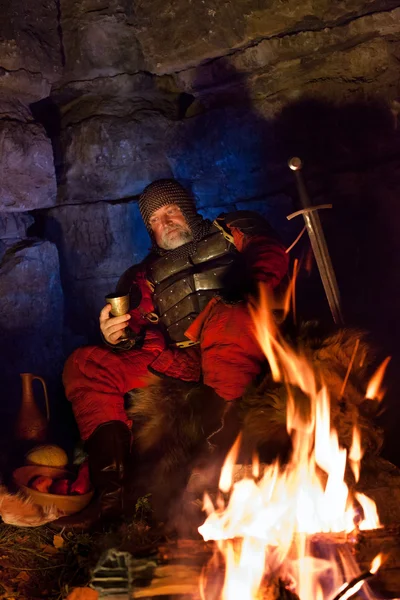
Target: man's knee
{"type": "Point", "coordinates": [82, 358]}
{"type": "Point", "coordinates": [84, 363]}
{"type": "Point", "coordinates": [76, 357]}
{"type": "Point", "coordinates": [75, 361]}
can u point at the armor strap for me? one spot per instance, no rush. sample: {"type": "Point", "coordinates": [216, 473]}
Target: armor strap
{"type": "Point", "coordinates": [152, 317]}
{"type": "Point", "coordinates": [184, 344]}
{"type": "Point", "coordinates": [150, 285]}
{"type": "Point", "coordinates": [219, 224]}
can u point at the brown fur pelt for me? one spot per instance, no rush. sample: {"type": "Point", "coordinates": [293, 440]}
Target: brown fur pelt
{"type": "Point", "coordinates": [173, 419]}
{"type": "Point", "coordinates": [170, 430]}
{"type": "Point", "coordinates": [331, 358]}
{"type": "Point", "coordinates": [264, 407]}
{"type": "Point", "coordinates": [17, 510]}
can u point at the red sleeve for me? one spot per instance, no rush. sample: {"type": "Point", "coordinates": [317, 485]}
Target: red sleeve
{"type": "Point", "coordinates": [264, 256]}
{"type": "Point", "coordinates": [138, 315]}
{"type": "Point", "coordinates": [135, 283]}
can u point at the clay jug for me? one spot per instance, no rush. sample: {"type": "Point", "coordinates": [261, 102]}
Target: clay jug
{"type": "Point", "coordinates": [31, 423]}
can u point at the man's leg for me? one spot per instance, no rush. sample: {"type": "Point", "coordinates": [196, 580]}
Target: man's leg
{"type": "Point", "coordinates": [96, 379]}
{"type": "Point", "coordinates": [231, 357]}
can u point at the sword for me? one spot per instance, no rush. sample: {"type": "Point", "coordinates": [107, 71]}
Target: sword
{"type": "Point", "coordinates": [318, 242]}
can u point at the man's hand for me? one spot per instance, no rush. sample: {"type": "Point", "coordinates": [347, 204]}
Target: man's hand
{"type": "Point", "coordinates": [112, 327]}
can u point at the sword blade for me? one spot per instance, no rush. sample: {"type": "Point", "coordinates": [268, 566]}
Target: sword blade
{"type": "Point", "coordinates": [324, 264]}
{"type": "Point", "coordinates": [318, 246]}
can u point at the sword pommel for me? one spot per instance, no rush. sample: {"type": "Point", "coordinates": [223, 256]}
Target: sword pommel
{"type": "Point", "coordinates": [295, 163]}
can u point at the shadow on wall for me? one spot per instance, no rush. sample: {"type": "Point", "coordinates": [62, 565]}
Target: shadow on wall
{"type": "Point", "coordinates": [225, 151]}
{"type": "Point", "coordinates": [351, 154]}
{"type": "Point", "coordinates": [235, 158]}
{"type": "Point", "coordinates": [232, 158]}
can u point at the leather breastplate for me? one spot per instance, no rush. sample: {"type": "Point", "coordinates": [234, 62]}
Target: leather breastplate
{"type": "Point", "coordinates": [183, 287]}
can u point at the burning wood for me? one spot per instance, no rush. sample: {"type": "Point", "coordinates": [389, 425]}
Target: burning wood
{"type": "Point", "coordinates": [275, 516]}
{"type": "Point", "coordinates": [120, 575]}
{"type": "Point", "coordinates": [351, 588]}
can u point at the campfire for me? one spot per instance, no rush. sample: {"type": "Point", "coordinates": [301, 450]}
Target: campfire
{"type": "Point", "coordinates": [297, 529]}
{"type": "Point", "coordinates": [291, 528]}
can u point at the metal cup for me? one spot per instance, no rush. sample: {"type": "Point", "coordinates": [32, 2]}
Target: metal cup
{"type": "Point", "coordinates": [119, 307]}
{"type": "Point", "coordinates": [119, 304]}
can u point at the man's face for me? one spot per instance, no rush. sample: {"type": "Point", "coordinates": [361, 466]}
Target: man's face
{"type": "Point", "coordinates": [169, 227]}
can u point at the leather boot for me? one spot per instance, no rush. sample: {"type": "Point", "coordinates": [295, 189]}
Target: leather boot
{"type": "Point", "coordinates": [108, 451]}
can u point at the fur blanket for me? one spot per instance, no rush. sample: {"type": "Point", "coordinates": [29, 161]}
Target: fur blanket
{"type": "Point", "coordinates": [17, 510]}
{"type": "Point", "coordinates": [173, 419]}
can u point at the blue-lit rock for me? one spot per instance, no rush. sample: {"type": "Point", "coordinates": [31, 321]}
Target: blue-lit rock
{"type": "Point", "coordinates": [114, 154]}
{"type": "Point", "coordinates": [96, 243]}
{"type": "Point", "coordinates": [14, 226]}
{"type": "Point", "coordinates": [28, 178]}
{"type": "Point", "coordinates": [30, 49]}
{"type": "Point", "coordinates": [31, 316]}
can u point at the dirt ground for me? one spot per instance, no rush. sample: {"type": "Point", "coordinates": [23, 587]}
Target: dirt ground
{"type": "Point", "coordinates": [39, 563]}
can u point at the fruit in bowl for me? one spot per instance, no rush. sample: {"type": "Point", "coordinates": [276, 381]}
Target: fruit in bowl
{"type": "Point", "coordinates": [47, 455]}
{"type": "Point", "coordinates": [50, 486]}
{"type": "Point", "coordinates": [41, 483]}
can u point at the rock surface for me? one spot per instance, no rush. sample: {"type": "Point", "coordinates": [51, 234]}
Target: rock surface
{"type": "Point", "coordinates": [31, 315]}
{"type": "Point", "coordinates": [96, 243]}
{"type": "Point", "coordinates": [27, 168]}
{"type": "Point", "coordinates": [113, 151]}
{"type": "Point", "coordinates": [99, 39]}
{"type": "Point", "coordinates": [30, 48]}
{"type": "Point", "coordinates": [191, 32]}
{"type": "Point", "coordinates": [14, 225]}
{"type": "Point", "coordinates": [358, 58]}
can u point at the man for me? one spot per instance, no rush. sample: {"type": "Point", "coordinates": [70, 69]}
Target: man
{"type": "Point", "coordinates": [187, 320]}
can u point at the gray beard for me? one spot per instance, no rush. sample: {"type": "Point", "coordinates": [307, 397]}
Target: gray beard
{"type": "Point", "coordinates": [184, 236]}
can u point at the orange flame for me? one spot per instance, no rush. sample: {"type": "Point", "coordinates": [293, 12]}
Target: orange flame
{"type": "Point", "coordinates": [376, 563]}
{"type": "Point", "coordinates": [272, 517]}
{"type": "Point", "coordinates": [356, 453]}
{"type": "Point", "coordinates": [225, 480]}
{"type": "Point", "coordinates": [374, 391]}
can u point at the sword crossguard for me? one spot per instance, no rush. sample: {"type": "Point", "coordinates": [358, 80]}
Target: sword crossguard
{"type": "Point", "coordinates": [307, 210]}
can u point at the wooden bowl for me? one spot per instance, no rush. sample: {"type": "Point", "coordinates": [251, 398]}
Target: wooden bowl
{"type": "Point", "coordinates": [66, 504]}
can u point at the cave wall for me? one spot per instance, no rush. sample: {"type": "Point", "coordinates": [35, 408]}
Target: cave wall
{"type": "Point", "coordinates": [98, 99]}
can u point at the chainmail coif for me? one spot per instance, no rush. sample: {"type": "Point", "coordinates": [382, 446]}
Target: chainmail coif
{"type": "Point", "coordinates": [169, 191]}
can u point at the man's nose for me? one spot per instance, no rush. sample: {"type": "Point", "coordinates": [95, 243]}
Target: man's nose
{"type": "Point", "coordinates": [166, 220]}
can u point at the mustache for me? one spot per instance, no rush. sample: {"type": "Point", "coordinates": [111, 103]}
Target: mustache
{"type": "Point", "coordinates": [175, 228]}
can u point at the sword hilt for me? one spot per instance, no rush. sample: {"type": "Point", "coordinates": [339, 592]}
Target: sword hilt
{"type": "Point", "coordinates": [296, 165]}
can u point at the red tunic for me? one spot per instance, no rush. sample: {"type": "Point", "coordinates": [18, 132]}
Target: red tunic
{"type": "Point", "coordinates": [227, 356]}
